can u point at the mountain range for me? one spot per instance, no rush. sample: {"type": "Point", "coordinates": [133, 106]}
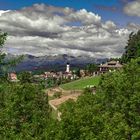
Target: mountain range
{"type": "Point", "coordinates": [55, 63]}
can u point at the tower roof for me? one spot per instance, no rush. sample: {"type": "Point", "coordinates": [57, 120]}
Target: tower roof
{"type": "Point", "coordinates": [68, 63]}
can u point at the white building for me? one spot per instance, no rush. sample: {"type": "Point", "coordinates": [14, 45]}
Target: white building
{"type": "Point", "coordinates": [68, 68]}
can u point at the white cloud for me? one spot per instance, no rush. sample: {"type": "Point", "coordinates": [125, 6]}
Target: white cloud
{"type": "Point", "coordinates": [85, 17]}
{"type": "Point", "coordinates": [109, 25]}
{"type": "Point", "coordinates": [133, 27]}
{"type": "Point", "coordinates": [48, 30]}
{"type": "Point", "coordinates": [133, 8]}
{"type": "Point", "coordinates": [2, 12]}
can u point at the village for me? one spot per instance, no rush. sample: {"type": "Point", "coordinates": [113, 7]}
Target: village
{"type": "Point", "coordinates": [70, 70]}
{"type": "Point", "coordinates": [70, 75]}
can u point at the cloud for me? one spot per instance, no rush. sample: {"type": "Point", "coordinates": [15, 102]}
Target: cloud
{"type": "Point", "coordinates": [133, 8]}
{"type": "Point", "coordinates": [133, 27]}
{"type": "Point", "coordinates": [85, 17]}
{"type": "Point", "coordinates": [109, 25]}
{"type": "Point", "coordinates": [49, 30]}
{"type": "Point", "coordinates": [2, 12]}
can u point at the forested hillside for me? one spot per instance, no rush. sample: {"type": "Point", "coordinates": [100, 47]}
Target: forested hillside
{"type": "Point", "coordinates": [113, 113]}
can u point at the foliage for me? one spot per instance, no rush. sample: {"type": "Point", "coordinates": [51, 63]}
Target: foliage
{"type": "Point", "coordinates": [113, 113]}
{"type": "Point", "coordinates": [24, 108]}
{"type": "Point", "coordinates": [132, 50]}
{"type": "Point", "coordinates": [3, 37]}
{"type": "Point", "coordinates": [57, 94]}
{"type": "Point", "coordinates": [12, 62]}
{"type": "Point", "coordinates": [51, 82]}
{"type": "Point", "coordinates": [77, 72]}
{"type": "Point", "coordinates": [5, 65]}
{"type": "Point", "coordinates": [88, 90]}
{"type": "Point", "coordinates": [25, 77]}
{"type": "Point", "coordinates": [2, 56]}
{"type": "Point", "coordinates": [24, 111]}
{"type": "Point", "coordinates": [90, 68]}
{"type": "Point", "coordinates": [115, 59]}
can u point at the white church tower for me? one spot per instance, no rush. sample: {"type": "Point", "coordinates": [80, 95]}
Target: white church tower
{"type": "Point", "coordinates": [68, 68]}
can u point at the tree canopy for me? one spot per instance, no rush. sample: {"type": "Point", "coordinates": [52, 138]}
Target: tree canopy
{"type": "Point", "coordinates": [113, 113]}
{"type": "Point", "coordinates": [3, 37]}
{"type": "Point", "coordinates": [24, 111]}
{"type": "Point", "coordinates": [90, 68]}
{"type": "Point", "coordinates": [24, 108]}
{"type": "Point", "coordinates": [132, 49]}
{"type": "Point", "coordinates": [6, 64]}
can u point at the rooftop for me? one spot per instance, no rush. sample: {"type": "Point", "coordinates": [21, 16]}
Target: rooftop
{"type": "Point", "coordinates": [112, 64]}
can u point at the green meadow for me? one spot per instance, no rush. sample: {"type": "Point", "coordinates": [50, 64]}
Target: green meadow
{"type": "Point", "coordinates": [81, 83]}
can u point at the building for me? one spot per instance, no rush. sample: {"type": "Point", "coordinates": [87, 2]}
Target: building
{"type": "Point", "coordinates": [67, 68]}
{"type": "Point", "coordinates": [13, 77]}
{"type": "Point", "coordinates": [109, 66]}
{"type": "Point", "coordinates": [82, 73]}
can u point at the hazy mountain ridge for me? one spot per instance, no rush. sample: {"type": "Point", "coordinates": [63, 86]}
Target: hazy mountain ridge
{"type": "Point", "coordinates": [57, 62]}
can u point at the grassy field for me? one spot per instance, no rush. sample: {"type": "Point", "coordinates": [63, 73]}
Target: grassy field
{"type": "Point", "coordinates": [81, 83]}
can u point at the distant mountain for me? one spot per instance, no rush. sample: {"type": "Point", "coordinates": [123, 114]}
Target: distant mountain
{"type": "Point", "coordinates": [56, 63]}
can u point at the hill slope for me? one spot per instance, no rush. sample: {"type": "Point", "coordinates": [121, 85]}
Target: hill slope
{"type": "Point", "coordinates": [81, 84]}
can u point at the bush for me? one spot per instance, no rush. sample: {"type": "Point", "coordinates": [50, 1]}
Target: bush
{"type": "Point", "coordinates": [57, 94]}
{"type": "Point", "coordinates": [24, 111]}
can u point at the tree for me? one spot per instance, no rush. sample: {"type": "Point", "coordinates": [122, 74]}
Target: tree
{"type": "Point", "coordinates": [25, 77]}
{"type": "Point", "coordinates": [91, 68]}
{"type": "Point", "coordinates": [25, 112]}
{"type": "Point", "coordinates": [24, 108]}
{"type": "Point", "coordinates": [112, 113]}
{"type": "Point", "coordinates": [77, 72]}
{"type": "Point", "coordinates": [5, 65]}
{"type": "Point", "coordinates": [121, 102]}
{"type": "Point", "coordinates": [2, 38]}
{"type": "Point", "coordinates": [132, 50]}
{"type": "Point", "coordinates": [2, 55]}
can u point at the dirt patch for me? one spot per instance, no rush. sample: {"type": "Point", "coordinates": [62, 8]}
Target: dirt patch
{"type": "Point", "coordinates": [65, 95]}
{"type": "Point", "coordinates": [63, 92]}
{"type": "Point", "coordinates": [57, 102]}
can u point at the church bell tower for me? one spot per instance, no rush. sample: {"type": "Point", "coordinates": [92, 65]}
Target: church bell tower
{"type": "Point", "coordinates": [68, 68]}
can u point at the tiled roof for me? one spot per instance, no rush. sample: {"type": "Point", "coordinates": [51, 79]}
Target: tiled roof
{"type": "Point", "coordinates": [112, 64]}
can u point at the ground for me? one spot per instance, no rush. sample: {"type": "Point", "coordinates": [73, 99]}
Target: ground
{"type": "Point", "coordinates": [55, 101]}
{"type": "Point", "coordinates": [69, 91]}
{"type": "Point", "coordinates": [81, 83]}
{"type": "Point", "coordinates": [58, 101]}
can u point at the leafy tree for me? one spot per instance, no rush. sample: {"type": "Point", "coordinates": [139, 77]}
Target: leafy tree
{"type": "Point", "coordinates": [77, 72]}
{"type": "Point", "coordinates": [50, 82]}
{"type": "Point", "coordinates": [91, 68]}
{"type": "Point", "coordinates": [24, 113]}
{"type": "Point", "coordinates": [132, 50]}
{"type": "Point", "coordinates": [24, 108]}
{"type": "Point", "coordinates": [25, 77]}
{"type": "Point", "coordinates": [2, 38]}
{"type": "Point", "coordinates": [9, 63]}
{"type": "Point", "coordinates": [2, 55]}
{"type": "Point", "coordinates": [113, 113]}
{"type": "Point", "coordinates": [121, 102]}
{"type": "Point", "coordinates": [57, 94]}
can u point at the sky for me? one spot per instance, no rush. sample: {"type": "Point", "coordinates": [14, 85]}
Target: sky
{"type": "Point", "coordinates": [96, 28]}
